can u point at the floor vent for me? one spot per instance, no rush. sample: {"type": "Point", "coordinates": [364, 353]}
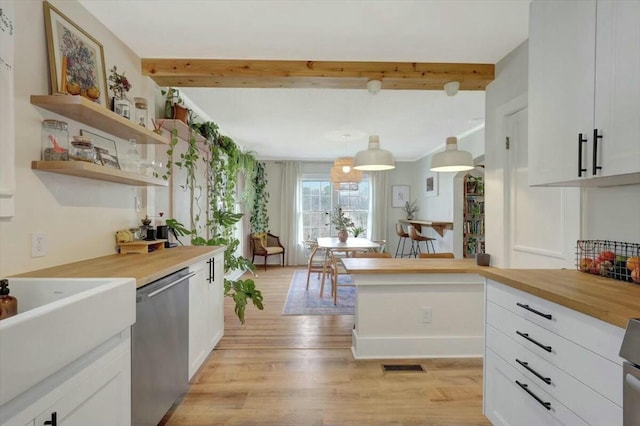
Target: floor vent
{"type": "Point", "coordinates": [402, 367]}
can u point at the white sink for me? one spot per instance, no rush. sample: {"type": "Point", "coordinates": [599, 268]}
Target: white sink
{"type": "Point", "coordinates": [58, 320]}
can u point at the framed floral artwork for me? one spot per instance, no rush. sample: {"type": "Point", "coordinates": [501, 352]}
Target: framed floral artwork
{"type": "Point", "coordinates": [76, 60]}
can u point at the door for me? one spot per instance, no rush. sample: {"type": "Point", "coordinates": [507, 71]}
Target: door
{"type": "Point", "coordinates": [542, 223]}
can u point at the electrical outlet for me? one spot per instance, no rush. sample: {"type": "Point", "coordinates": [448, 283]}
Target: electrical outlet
{"type": "Point", "coordinates": [38, 244]}
{"type": "Point", "coordinates": [426, 314]}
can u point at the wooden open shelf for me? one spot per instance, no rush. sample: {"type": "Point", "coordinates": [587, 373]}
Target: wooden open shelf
{"type": "Point", "coordinates": [183, 132]}
{"type": "Point", "coordinates": [83, 110]}
{"type": "Point", "coordinates": [141, 246]}
{"type": "Point", "coordinates": [98, 172]}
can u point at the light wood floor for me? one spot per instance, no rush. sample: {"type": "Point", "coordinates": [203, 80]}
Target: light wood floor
{"type": "Point", "coordinates": [299, 370]}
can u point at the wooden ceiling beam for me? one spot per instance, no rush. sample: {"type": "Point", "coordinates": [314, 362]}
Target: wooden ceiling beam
{"type": "Point", "coordinates": [315, 74]}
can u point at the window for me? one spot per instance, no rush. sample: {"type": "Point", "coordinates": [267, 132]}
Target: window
{"type": "Point", "coordinates": [320, 197]}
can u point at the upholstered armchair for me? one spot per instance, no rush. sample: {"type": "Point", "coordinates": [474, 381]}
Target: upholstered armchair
{"type": "Point", "coordinates": [265, 244]}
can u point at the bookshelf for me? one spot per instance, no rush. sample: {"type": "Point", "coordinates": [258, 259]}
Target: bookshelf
{"type": "Point", "coordinates": [473, 217]}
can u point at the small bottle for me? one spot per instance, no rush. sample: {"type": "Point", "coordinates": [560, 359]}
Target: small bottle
{"type": "Point", "coordinates": [8, 304]}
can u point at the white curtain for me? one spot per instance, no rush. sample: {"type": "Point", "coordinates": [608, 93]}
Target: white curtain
{"type": "Point", "coordinates": [379, 201]}
{"type": "Point", "coordinates": [291, 211]}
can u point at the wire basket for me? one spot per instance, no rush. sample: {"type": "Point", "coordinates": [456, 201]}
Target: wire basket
{"type": "Point", "coordinates": [612, 259]}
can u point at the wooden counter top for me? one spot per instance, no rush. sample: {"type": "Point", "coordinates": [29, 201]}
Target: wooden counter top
{"type": "Point", "coordinates": [145, 268]}
{"type": "Point", "coordinates": [362, 265]}
{"type": "Point", "coordinates": [609, 300]}
{"type": "Point", "coordinates": [437, 225]}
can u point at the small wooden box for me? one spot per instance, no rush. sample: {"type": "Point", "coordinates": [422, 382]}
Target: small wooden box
{"type": "Point", "coordinates": [141, 247]}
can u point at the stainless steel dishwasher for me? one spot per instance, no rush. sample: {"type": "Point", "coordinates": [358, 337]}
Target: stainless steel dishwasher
{"type": "Point", "coordinates": [159, 366]}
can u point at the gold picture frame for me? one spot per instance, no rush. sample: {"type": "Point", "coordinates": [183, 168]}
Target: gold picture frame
{"type": "Point", "coordinates": [76, 59]}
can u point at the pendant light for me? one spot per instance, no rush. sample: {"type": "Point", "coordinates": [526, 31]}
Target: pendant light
{"type": "Point", "coordinates": [451, 159]}
{"type": "Point", "coordinates": [343, 171]}
{"type": "Point", "coordinates": [374, 158]}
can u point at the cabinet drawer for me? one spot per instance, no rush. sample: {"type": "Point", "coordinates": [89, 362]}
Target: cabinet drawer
{"type": "Point", "coordinates": [597, 372]}
{"type": "Point", "coordinates": [598, 336]}
{"type": "Point", "coordinates": [507, 403]}
{"type": "Point", "coordinates": [587, 403]}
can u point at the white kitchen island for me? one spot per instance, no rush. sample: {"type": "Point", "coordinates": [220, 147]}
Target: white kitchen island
{"type": "Point", "coordinates": [417, 308]}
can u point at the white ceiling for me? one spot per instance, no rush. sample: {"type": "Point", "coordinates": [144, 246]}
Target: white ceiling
{"type": "Point", "coordinates": [297, 123]}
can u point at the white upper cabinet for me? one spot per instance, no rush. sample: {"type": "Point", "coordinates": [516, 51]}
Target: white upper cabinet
{"type": "Point", "coordinates": [584, 80]}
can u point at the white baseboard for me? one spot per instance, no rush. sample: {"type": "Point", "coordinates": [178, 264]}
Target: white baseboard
{"type": "Point", "coordinates": [417, 347]}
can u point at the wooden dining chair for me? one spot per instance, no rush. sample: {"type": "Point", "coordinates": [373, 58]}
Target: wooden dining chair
{"type": "Point", "coordinates": [403, 236]}
{"type": "Point", "coordinates": [334, 269]}
{"type": "Point", "coordinates": [316, 262]}
{"type": "Point", "coordinates": [436, 255]}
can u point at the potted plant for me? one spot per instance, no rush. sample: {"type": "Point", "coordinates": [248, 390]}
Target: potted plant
{"type": "Point", "coordinates": [119, 85]}
{"type": "Point", "coordinates": [341, 223]}
{"type": "Point", "coordinates": [357, 230]}
{"type": "Point", "coordinates": [174, 105]}
{"type": "Point", "coordinates": [411, 208]}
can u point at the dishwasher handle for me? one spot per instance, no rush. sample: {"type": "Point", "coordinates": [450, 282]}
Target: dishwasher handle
{"type": "Point", "coordinates": [168, 286]}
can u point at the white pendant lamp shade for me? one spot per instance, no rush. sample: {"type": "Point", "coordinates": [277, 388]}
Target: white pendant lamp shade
{"type": "Point", "coordinates": [343, 171]}
{"type": "Point", "coordinates": [451, 160]}
{"type": "Point", "coordinates": [374, 158]}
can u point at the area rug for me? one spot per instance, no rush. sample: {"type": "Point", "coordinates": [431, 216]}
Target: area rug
{"type": "Point", "coordinates": [308, 302]}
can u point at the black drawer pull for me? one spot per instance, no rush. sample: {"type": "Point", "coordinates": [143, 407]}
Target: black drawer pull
{"type": "Point", "coordinates": [526, 336]}
{"type": "Point", "coordinates": [530, 309]}
{"type": "Point", "coordinates": [54, 419]}
{"type": "Point", "coordinates": [547, 380]}
{"type": "Point", "coordinates": [525, 387]}
{"type": "Point", "coordinates": [596, 136]}
{"type": "Point", "coordinates": [580, 142]}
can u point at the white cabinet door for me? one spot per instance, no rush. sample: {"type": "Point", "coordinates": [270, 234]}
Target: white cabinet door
{"type": "Point", "coordinates": [617, 100]}
{"type": "Point", "coordinates": [97, 392]}
{"type": "Point", "coordinates": [198, 312]}
{"type": "Point", "coordinates": [561, 87]}
{"type": "Point", "coordinates": [206, 310]}
{"type": "Point", "coordinates": [215, 323]}
{"type": "Point", "coordinates": [584, 82]}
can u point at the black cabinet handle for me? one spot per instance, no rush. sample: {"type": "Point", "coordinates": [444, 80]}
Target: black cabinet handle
{"type": "Point", "coordinates": [596, 136]}
{"type": "Point", "coordinates": [54, 419]}
{"type": "Point", "coordinates": [547, 380]}
{"type": "Point", "coordinates": [526, 336]}
{"type": "Point", "coordinates": [525, 387]}
{"type": "Point", "coordinates": [210, 277]}
{"type": "Point", "coordinates": [580, 142]}
{"type": "Point", "coordinates": [530, 309]}
{"type": "Point", "coordinates": [213, 271]}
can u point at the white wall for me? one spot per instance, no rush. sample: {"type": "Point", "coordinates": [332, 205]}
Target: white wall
{"type": "Point", "coordinates": [78, 216]}
{"type": "Point", "coordinates": [612, 213]}
{"type": "Point", "coordinates": [510, 82]}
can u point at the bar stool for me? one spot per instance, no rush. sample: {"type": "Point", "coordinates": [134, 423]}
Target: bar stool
{"type": "Point", "coordinates": [416, 239]}
{"type": "Point", "coordinates": [403, 237]}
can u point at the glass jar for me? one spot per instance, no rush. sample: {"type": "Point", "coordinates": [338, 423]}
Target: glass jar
{"type": "Point", "coordinates": [82, 149]}
{"type": "Point", "coordinates": [141, 111]}
{"type": "Point", "coordinates": [131, 161]}
{"type": "Point", "coordinates": [55, 140]}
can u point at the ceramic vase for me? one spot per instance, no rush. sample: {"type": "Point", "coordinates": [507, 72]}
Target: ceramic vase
{"type": "Point", "coordinates": [343, 235]}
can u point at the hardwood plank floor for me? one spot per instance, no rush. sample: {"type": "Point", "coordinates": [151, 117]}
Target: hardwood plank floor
{"type": "Point", "coordinates": [299, 370]}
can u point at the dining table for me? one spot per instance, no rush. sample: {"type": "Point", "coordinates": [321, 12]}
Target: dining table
{"type": "Point", "coordinates": [353, 244]}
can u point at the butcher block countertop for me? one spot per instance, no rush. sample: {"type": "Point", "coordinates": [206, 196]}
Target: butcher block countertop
{"type": "Point", "coordinates": [378, 265]}
{"type": "Point", "coordinates": [145, 268]}
{"type": "Point", "coordinates": [607, 299]}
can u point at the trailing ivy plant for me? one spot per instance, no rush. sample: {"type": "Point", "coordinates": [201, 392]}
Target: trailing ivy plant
{"type": "Point", "coordinates": [259, 214]}
{"type": "Point", "coordinates": [224, 163]}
